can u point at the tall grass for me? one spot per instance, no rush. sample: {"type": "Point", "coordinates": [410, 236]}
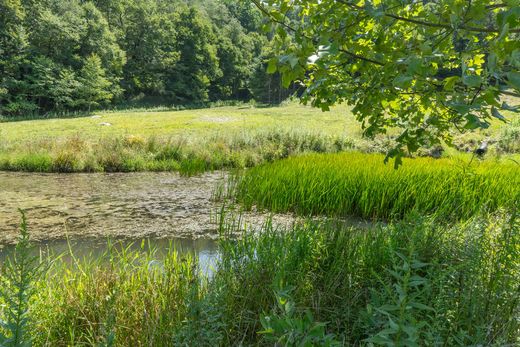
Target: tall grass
{"type": "Point", "coordinates": [185, 154]}
{"type": "Point", "coordinates": [409, 283]}
{"type": "Point", "coordinates": [356, 184]}
{"type": "Point", "coordinates": [126, 296]}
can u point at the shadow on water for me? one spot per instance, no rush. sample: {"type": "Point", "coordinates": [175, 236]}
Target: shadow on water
{"type": "Point", "coordinates": [95, 249]}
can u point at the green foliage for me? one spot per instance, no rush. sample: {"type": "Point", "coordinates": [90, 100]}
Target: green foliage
{"type": "Point", "coordinates": [13, 46]}
{"type": "Point", "coordinates": [356, 184]}
{"type": "Point", "coordinates": [410, 283]}
{"type": "Point", "coordinates": [198, 61]}
{"type": "Point", "coordinates": [425, 68]}
{"type": "Point", "coordinates": [18, 277]}
{"type": "Point", "coordinates": [285, 329]}
{"type": "Point", "coordinates": [393, 284]}
{"type": "Point", "coordinates": [182, 52]}
{"type": "Point", "coordinates": [93, 89]}
{"type": "Point", "coordinates": [400, 317]}
{"type": "Point", "coordinates": [266, 84]}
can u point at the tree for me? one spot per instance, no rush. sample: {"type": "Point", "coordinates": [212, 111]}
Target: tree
{"type": "Point", "coordinates": [148, 36]}
{"type": "Point", "coordinates": [424, 67]}
{"type": "Point", "coordinates": [95, 87]}
{"type": "Point", "coordinates": [189, 80]}
{"type": "Point", "coordinates": [61, 35]}
{"type": "Point", "coordinates": [180, 51]}
{"type": "Point", "coordinates": [266, 85]}
{"type": "Point", "coordinates": [236, 51]}
{"type": "Point", "coordinates": [249, 16]}
{"type": "Point", "coordinates": [13, 45]}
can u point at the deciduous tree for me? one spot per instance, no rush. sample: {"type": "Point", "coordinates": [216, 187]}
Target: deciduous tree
{"type": "Point", "coordinates": [424, 67]}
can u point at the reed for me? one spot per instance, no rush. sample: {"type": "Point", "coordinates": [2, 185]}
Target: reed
{"type": "Point", "coordinates": [357, 184]}
{"type": "Point", "coordinates": [188, 155]}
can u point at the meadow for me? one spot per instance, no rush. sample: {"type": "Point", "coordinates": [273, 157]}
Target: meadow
{"type": "Point", "coordinates": [437, 263]}
{"type": "Point", "coordinates": [192, 141]}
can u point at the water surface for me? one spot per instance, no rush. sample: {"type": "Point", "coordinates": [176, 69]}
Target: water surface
{"type": "Point", "coordinates": [90, 249]}
{"type": "Point", "coordinates": [121, 205]}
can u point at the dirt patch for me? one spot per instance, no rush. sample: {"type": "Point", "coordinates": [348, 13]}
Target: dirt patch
{"type": "Point", "coordinates": [212, 119]}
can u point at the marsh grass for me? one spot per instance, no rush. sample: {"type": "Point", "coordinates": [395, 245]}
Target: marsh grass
{"type": "Point", "coordinates": [399, 284]}
{"type": "Point", "coordinates": [357, 184]}
{"type": "Point", "coordinates": [124, 296]}
{"type": "Point", "coordinates": [161, 139]}
{"type": "Point", "coordinates": [188, 155]}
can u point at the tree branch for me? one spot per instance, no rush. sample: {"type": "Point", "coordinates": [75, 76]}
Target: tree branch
{"type": "Point", "coordinates": [430, 24]}
{"type": "Point", "coordinates": [360, 57]}
{"type": "Point", "coordinates": [287, 26]}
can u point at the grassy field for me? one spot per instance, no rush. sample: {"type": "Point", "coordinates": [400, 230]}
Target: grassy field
{"type": "Point", "coordinates": [199, 122]}
{"type": "Point", "coordinates": [196, 140]}
{"type": "Point", "coordinates": [402, 284]}
{"type": "Point", "coordinates": [357, 184]}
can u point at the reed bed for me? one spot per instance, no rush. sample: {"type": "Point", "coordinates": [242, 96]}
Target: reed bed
{"type": "Point", "coordinates": [413, 282]}
{"type": "Point", "coordinates": [357, 184]}
{"type": "Point", "coordinates": [186, 154]}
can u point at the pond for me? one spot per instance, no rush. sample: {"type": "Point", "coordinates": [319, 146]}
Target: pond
{"type": "Point", "coordinates": [88, 249]}
{"type": "Point", "coordinates": [88, 208]}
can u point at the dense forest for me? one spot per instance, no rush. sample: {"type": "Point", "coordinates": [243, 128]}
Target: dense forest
{"type": "Point", "coordinates": [65, 55]}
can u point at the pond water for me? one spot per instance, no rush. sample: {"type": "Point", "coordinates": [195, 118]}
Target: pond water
{"type": "Point", "coordinates": [89, 208]}
{"type": "Point", "coordinates": [88, 249]}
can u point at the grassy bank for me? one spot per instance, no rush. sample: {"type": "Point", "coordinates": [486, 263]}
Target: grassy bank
{"type": "Point", "coordinates": [401, 284]}
{"type": "Point", "coordinates": [188, 155]}
{"type": "Point", "coordinates": [355, 184]}
{"type": "Point", "coordinates": [198, 140]}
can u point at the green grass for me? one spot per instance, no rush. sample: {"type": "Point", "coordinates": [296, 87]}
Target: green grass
{"type": "Point", "coordinates": [196, 123]}
{"type": "Point", "coordinates": [389, 285]}
{"type": "Point", "coordinates": [187, 155]}
{"type": "Point", "coordinates": [194, 140]}
{"type": "Point", "coordinates": [356, 184]}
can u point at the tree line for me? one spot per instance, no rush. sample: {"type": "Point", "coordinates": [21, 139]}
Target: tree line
{"type": "Point", "coordinates": [62, 55]}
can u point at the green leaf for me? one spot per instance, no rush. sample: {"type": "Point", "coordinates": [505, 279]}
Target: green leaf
{"type": "Point", "coordinates": [420, 306]}
{"type": "Point", "coordinates": [449, 83]}
{"type": "Point", "coordinates": [293, 61]}
{"type": "Point", "coordinates": [472, 80]}
{"type": "Point", "coordinates": [403, 81]}
{"type": "Point", "coordinates": [474, 122]}
{"type": "Point", "coordinates": [272, 65]}
{"type": "Point", "coordinates": [514, 79]}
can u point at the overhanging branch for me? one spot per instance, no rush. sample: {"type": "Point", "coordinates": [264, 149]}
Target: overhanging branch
{"type": "Point", "coordinates": [422, 22]}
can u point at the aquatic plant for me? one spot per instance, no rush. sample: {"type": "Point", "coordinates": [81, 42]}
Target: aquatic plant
{"type": "Point", "coordinates": [356, 184]}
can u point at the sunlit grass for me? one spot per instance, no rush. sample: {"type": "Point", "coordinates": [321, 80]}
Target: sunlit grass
{"type": "Point", "coordinates": [356, 184]}
{"type": "Point", "coordinates": [188, 122]}
{"type": "Point", "coordinates": [203, 139]}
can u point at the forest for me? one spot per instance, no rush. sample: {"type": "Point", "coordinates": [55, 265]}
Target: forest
{"type": "Point", "coordinates": [62, 56]}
